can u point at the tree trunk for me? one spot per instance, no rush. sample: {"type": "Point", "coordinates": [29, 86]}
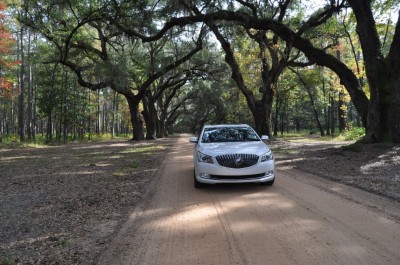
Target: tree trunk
{"type": "Point", "coordinates": [162, 129]}
{"type": "Point", "coordinates": [21, 95]}
{"type": "Point", "coordinates": [394, 110]}
{"type": "Point", "coordinates": [326, 109]}
{"type": "Point", "coordinates": [341, 112]}
{"type": "Point", "coordinates": [259, 114]}
{"type": "Point", "coordinates": [136, 119]}
{"type": "Point", "coordinates": [114, 112]}
{"type": "Point", "coordinates": [321, 129]}
{"type": "Point", "coordinates": [332, 113]}
{"type": "Point", "coordinates": [49, 131]}
{"type": "Point", "coordinates": [262, 115]}
{"type": "Point", "coordinates": [383, 74]}
{"type": "Point", "coordinates": [278, 104]}
{"type": "Point", "coordinates": [162, 132]}
{"type": "Point", "coordinates": [29, 124]}
{"type": "Point", "coordinates": [150, 117]}
{"type": "Point", "coordinates": [98, 117]}
{"type": "Point", "coordinates": [1, 122]}
{"type": "Point", "coordinates": [383, 116]}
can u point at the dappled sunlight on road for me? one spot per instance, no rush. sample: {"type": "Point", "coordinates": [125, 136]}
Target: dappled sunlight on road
{"type": "Point", "coordinates": [252, 222]}
{"type": "Point", "coordinates": [74, 173]}
{"type": "Point", "coordinates": [13, 158]}
{"type": "Point", "coordinates": [97, 146]}
{"type": "Point", "coordinates": [283, 162]}
{"type": "Point", "coordinates": [389, 158]}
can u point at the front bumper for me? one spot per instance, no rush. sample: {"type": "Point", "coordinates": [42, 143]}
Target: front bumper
{"type": "Point", "coordinates": [214, 173]}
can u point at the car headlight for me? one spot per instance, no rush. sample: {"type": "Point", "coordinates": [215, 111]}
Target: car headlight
{"type": "Point", "coordinates": [204, 158]}
{"type": "Point", "coordinates": [267, 156]}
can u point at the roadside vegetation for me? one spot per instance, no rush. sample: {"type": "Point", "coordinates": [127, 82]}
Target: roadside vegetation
{"type": "Point", "coordinates": [13, 141]}
{"type": "Point", "coordinates": [353, 134]}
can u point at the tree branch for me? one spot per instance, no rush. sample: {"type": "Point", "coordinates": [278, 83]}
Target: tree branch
{"type": "Point", "coordinates": [169, 67]}
{"type": "Point", "coordinates": [319, 17]}
{"type": "Point", "coordinates": [366, 29]}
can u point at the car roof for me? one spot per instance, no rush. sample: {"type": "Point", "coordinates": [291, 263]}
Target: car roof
{"type": "Point", "coordinates": [226, 125]}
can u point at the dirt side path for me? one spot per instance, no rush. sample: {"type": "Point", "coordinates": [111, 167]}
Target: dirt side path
{"type": "Point", "coordinates": [302, 219]}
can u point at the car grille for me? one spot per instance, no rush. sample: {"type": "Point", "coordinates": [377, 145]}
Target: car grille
{"type": "Point", "coordinates": [237, 160]}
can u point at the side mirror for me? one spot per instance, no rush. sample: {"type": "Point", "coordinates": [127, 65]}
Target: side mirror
{"type": "Point", "coordinates": [193, 139]}
{"type": "Point", "coordinates": [264, 137]}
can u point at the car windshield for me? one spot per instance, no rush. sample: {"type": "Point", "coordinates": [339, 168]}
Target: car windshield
{"type": "Point", "coordinates": [228, 134]}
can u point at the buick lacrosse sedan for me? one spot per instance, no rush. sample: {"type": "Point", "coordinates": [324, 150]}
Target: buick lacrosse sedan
{"type": "Point", "coordinates": [231, 154]}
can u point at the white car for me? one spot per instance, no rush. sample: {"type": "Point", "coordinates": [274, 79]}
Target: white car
{"type": "Point", "coordinates": [232, 154]}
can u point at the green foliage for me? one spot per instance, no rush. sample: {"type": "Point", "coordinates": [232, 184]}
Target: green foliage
{"type": "Point", "coordinates": [13, 141]}
{"type": "Point", "coordinates": [354, 134]}
{"type": "Point", "coordinates": [101, 137]}
{"type": "Point", "coordinates": [7, 260]}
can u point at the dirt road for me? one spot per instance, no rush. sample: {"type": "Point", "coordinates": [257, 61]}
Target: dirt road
{"type": "Point", "coordinates": [302, 219]}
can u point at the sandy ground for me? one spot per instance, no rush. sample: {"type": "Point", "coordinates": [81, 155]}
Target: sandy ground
{"type": "Point", "coordinates": [63, 204]}
{"type": "Point", "coordinates": [302, 219]}
{"type": "Point", "coordinates": [122, 202]}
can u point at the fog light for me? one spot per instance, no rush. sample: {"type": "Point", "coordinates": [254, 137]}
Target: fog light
{"type": "Point", "coordinates": [204, 175]}
{"type": "Point", "coordinates": [269, 173]}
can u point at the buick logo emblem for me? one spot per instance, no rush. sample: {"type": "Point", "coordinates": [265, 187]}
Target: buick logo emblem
{"type": "Point", "coordinates": [238, 160]}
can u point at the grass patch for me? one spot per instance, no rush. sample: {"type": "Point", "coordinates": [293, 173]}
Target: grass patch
{"type": "Point", "coordinates": [13, 141]}
{"type": "Point", "coordinates": [8, 260]}
{"type": "Point", "coordinates": [292, 135]}
{"type": "Point", "coordinates": [284, 151]}
{"type": "Point", "coordinates": [119, 174]}
{"type": "Point", "coordinates": [134, 165]}
{"type": "Point", "coordinates": [354, 134]}
{"type": "Point", "coordinates": [63, 241]}
{"type": "Point", "coordinates": [143, 149]}
{"type": "Point", "coordinates": [103, 137]}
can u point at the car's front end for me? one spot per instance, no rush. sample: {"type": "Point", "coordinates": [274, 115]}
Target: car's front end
{"type": "Point", "coordinates": [233, 162]}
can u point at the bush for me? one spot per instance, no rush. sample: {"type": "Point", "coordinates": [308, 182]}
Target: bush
{"type": "Point", "coordinates": [355, 133]}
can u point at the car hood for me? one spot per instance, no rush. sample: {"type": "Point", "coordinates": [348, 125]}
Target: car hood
{"type": "Point", "coordinates": [215, 149]}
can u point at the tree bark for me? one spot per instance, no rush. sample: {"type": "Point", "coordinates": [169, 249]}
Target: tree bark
{"type": "Point", "coordinates": [341, 112]}
{"type": "Point", "coordinates": [1, 121]}
{"type": "Point", "coordinates": [49, 131]}
{"type": "Point", "coordinates": [150, 117]}
{"type": "Point", "coordinates": [332, 113]}
{"type": "Point", "coordinates": [21, 92]}
{"type": "Point", "coordinates": [383, 76]}
{"type": "Point", "coordinates": [29, 121]}
{"type": "Point", "coordinates": [136, 119]}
